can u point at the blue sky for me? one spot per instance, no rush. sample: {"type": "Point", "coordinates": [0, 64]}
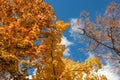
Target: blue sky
{"type": "Point", "coordinates": [68, 9]}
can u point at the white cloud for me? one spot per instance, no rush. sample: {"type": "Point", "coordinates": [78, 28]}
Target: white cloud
{"type": "Point", "coordinates": [66, 52]}
{"type": "Point", "coordinates": [109, 72]}
{"type": "Point", "coordinates": [76, 27]}
{"type": "Point", "coordinates": [67, 43]}
{"type": "Point", "coordinates": [29, 77]}
{"type": "Point", "coordinates": [90, 54]}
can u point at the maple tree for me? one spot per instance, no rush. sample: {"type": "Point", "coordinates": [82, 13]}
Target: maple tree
{"type": "Point", "coordinates": [30, 37]}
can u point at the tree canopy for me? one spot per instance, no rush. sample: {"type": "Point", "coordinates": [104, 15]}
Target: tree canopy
{"type": "Point", "coordinates": [102, 36]}
{"type": "Point", "coordinates": [30, 37]}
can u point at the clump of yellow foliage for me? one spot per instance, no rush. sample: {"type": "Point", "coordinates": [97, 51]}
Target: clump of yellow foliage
{"type": "Point", "coordinates": [82, 71]}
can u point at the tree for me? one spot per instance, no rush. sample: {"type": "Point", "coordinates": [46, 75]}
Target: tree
{"type": "Point", "coordinates": [103, 35]}
{"type": "Point", "coordinates": [82, 71]}
{"type": "Point", "coordinates": [30, 39]}
{"type": "Point", "coordinates": [21, 28]}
